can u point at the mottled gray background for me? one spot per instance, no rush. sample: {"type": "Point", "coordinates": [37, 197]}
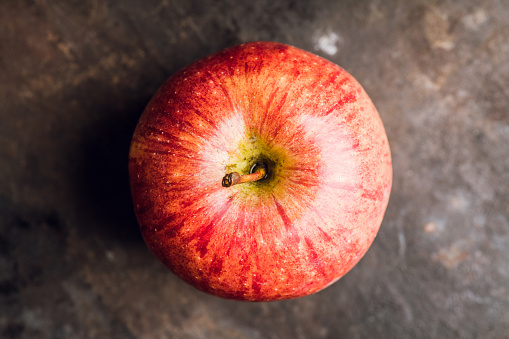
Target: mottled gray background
{"type": "Point", "coordinates": [74, 78]}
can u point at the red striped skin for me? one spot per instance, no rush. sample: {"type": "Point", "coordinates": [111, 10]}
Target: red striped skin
{"type": "Point", "coordinates": [285, 237]}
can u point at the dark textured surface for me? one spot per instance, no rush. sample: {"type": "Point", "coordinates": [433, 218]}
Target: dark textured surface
{"type": "Point", "coordinates": [74, 78]}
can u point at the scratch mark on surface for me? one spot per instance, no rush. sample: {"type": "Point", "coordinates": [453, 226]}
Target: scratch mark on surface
{"type": "Point", "coordinates": [401, 300]}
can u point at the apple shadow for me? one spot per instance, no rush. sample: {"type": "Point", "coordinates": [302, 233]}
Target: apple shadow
{"type": "Point", "coordinates": [101, 174]}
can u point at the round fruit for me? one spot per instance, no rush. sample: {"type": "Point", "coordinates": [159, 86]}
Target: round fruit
{"type": "Point", "coordinates": [259, 173]}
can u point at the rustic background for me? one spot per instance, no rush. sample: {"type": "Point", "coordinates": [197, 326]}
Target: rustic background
{"type": "Point", "coordinates": [74, 78]}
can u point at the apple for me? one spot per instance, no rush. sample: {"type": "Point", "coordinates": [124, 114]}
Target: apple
{"type": "Point", "coordinates": [260, 173]}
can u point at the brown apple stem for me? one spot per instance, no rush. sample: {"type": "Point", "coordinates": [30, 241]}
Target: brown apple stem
{"type": "Point", "coordinates": [235, 178]}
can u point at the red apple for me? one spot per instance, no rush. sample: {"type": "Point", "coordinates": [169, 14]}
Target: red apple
{"type": "Point", "coordinates": [321, 157]}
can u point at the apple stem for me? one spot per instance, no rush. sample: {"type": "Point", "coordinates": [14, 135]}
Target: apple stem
{"type": "Point", "coordinates": [235, 178]}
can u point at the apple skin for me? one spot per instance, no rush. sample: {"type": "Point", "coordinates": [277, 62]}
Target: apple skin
{"type": "Point", "coordinates": [286, 236]}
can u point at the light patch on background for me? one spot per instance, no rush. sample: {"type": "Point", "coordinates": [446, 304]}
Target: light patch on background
{"type": "Point", "coordinates": [327, 43]}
